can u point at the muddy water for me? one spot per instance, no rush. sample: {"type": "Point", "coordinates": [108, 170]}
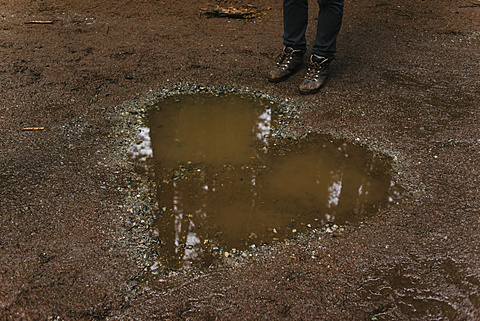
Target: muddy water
{"type": "Point", "coordinates": [224, 185]}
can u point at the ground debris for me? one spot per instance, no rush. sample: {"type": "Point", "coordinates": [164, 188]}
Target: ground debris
{"type": "Point", "coordinates": [32, 128]}
{"type": "Point", "coordinates": [473, 4]}
{"type": "Point", "coordinates": [39, 22]}
{"type": "Point", "coordinates": [245, 12]}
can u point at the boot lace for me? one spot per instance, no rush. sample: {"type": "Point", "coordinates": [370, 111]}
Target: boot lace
{"type": "Point", "coordinates": [284, 58]}
{"type": "Point", "coordinates": [313, 72]}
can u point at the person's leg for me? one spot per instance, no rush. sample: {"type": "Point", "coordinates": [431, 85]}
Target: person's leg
{"type": "Point", "coordinates": [295, 20]}
{"type": "Point", "coordinates": [329, 22]}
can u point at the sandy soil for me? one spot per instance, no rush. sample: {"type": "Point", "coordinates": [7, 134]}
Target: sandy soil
{"type": "Point", "coordinates": [405, 83]}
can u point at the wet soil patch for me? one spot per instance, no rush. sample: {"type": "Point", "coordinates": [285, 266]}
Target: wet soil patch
{"type": "Point", "coordinates": [225, 182]}
{"type": "Point", "coordinates": [74, 237]}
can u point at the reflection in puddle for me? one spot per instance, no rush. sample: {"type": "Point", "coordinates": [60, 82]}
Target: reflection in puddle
{"type": "Point", "coordinates": [223, 183]}
{"type": "Point", "coordinates": [143, 149]}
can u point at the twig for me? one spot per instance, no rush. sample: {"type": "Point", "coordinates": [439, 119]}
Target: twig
{"type": "Point", "coordinates": [248, 12]}
{"type": "Point", "coordinates": [402, 13]}
{"type": "Point", "coordinates": [39, 22]}
{"type": "Point", "coordinates": [32, 128]}
{"type": "Point", "coordinates": [473, 5]}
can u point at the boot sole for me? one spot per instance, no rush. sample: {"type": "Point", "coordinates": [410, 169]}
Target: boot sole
{"type": "Point", "coordinates": [309, 92]}
{"type": "Point", "coordinates": [285, 77]}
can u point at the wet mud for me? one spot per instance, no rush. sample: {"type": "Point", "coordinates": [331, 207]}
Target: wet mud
{"type": "Point", "coordinates": [78, 220]}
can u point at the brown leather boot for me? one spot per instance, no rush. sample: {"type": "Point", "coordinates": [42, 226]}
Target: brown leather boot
{"type": "Point", "coordinates": [317, 75]}
{"type": "Point", "coordinates": [289, 61]}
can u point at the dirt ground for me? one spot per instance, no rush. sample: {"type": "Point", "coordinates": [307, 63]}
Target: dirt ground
{"type": "Point", "coordinates": [405, 83]}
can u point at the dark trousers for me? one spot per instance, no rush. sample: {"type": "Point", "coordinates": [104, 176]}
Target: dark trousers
{"type": "Point", "coordinates": [295, 19]}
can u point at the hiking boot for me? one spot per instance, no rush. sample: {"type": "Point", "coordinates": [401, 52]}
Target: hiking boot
{"type": "Point", "coordinates": [317, 75]}
{"type": "Point", "coordinates": [289, 61]}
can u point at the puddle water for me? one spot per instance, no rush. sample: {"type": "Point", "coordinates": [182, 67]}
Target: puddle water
{"type": "Point", "coordinates": [224, 185]}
